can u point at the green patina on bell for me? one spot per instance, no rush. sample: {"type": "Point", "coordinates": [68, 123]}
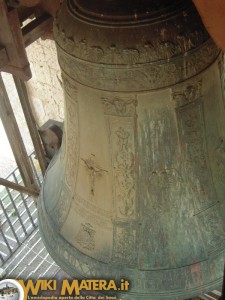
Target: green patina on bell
{"type": "Point", "coordinates": [137, 190]}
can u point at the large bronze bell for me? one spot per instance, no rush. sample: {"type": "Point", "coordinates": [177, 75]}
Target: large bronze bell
{"type": "Point", "coordinates": [137, 190]}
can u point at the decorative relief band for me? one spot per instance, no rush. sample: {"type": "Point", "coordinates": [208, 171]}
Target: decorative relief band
{"type": "Point", "coordinates": [71, 135]}
{"type": "Point", "coordinates": [61, 210]}
{"type": "Point", "coordinates": [139, 77]}
{"type": "Point", "coordinates": [148, 52]}
{"type": "Point", "coordinates": [160, 39]}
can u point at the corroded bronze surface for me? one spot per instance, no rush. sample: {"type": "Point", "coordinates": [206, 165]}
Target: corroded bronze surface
{"type": "Point", "coordinates": [137, 190]}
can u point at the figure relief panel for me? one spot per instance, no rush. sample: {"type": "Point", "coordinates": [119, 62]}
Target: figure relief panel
{"type": "Point", "coordinates": [213, 229]}
{"type": "Point", "coordinates": [184, 94]}
{"type": "Point", "coordinates": [124, 240]}
{"type": "Point", "coordinates": [120, 106]}
{"type": "Point", "coordinates": [86, 236]}
{"type": "Point", "coordinates": [89, 229]}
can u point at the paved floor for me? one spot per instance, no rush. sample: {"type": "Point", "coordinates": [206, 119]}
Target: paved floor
{"type": "Point", "coordinates": [31, 261]}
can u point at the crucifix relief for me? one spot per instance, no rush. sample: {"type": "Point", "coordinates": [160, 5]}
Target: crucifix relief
{"type": "Point", "coordinates": [94, 170]}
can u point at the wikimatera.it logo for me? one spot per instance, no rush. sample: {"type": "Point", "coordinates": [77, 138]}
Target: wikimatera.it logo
{"type": "Point", "coordinates": [72, 287]}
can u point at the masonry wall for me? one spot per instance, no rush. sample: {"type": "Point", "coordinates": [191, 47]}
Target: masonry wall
{"type": "Point", "coordinates": [44, 88]}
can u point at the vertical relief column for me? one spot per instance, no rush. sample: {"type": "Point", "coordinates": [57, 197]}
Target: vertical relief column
{"type": "Point", "coordinates": [219, 148]}
{"type": "Point", "coordinates": [120, 115]}
{"type": "Point", "coordinates": [199, 110]}
{"type": "Point", "coordinates": [221, 65]}
{"type": "Point", "coordinates": [165, 202]}
{"type": "Point", "coordinates": [191, 124]}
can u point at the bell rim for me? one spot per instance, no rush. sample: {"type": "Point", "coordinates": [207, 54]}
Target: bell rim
{"type": "Point", "coordinates": [105, 18]}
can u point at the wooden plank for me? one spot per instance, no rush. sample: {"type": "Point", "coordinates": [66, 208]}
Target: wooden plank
{"type": "Point", "coordinates": [19, 188]}
{"type": "Point", "coordinates": [31, 123]}
{"type": "Point", "coordinates": [214, 295]}
{"type": "Point", "coordinates": [24, 13]}
{"type": "Point", "coordinates": [12, 39]}
{"type": "Point", "coordinates": [15, 139]}
{"type": "Point", "coordinates": [3, 56]}
{"type": "Point", "coordinates": [37, 28]}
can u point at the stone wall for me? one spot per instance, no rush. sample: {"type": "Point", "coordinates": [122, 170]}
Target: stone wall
{"type": "Point", "coordinates": [44, 88]}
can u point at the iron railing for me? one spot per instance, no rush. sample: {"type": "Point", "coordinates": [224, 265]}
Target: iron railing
{"type": "Point", "coordinates": [18, 213]}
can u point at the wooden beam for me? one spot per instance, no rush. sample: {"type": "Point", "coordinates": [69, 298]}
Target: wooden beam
{"type": "Point", "coordinates": [12, 39]}
{"type": "Point", "coordinates": [3, 56]}
{"type": "Point", "coordinates": [19, 188]}
{"type": "Point", "coordinates": [37, 28]}
{"type": "Point", "coordinates": [15, 139]}
{"type": "Point", "coordinates": [24, 13]}
{"type": "Point", "coordinates": [50, 6]}
{"type": "Point", "coordinates": [24, 100]}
